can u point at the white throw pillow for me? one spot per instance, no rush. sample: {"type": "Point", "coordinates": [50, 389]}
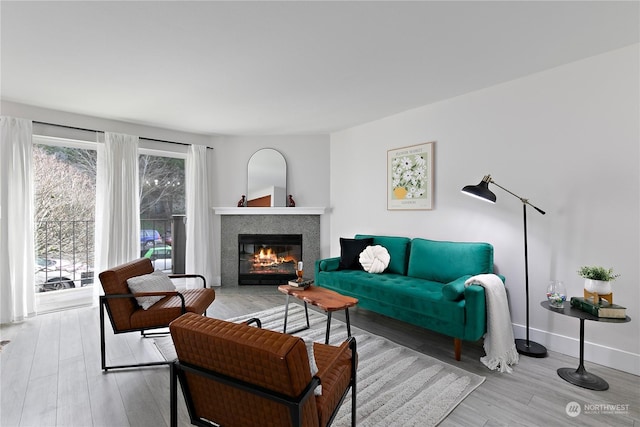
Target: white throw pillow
{"type": "Point", "coordinates": [374, 259]}
{"type": "Point", "coordinates": [312, 365]}
{"type": "Point", "coordinates": [154, 282]}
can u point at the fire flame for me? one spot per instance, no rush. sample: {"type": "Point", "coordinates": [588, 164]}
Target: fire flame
{"type": "Point", "coordinates": [267, 259]}
{"type": "Point", "coordinates": [267, 256]}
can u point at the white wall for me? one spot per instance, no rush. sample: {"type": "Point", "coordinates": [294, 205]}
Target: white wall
{"type": "Point", "coordinates": [307, 158]}
{"type": "Point", "coordinates": [568, 140]}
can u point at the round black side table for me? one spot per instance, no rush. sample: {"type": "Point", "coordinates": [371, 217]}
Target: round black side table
{"type": "Point", "coordinates": [580, 376]}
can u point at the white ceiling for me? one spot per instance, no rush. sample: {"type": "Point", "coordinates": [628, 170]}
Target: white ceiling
{"type": "Point", "coordinates": [244, 68]}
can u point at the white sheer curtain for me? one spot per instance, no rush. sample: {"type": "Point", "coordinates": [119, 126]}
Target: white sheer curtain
{"type": "Point", "coordinates": [200, 253]}
{"type": "Point", "coordinates": [117, 203]}
{"type": "Point", "coordinates": [17, 258]}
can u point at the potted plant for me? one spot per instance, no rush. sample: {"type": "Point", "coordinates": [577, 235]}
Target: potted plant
{"type": "Point", "coordinates": [597, 279]}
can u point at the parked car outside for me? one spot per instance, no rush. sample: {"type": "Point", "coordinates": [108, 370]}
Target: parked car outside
{"type": "Point", "coordinates": [168, 240]}
{"type": "Point", "coordinates": [54, 274]}
{"type": "Point", "coordinates": [160, 257]}
{"type": "Point", "coordinates": [150, 238]}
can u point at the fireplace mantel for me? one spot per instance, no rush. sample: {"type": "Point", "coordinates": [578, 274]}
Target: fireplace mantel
{"type": "Point", "coordinates": [269, 211]}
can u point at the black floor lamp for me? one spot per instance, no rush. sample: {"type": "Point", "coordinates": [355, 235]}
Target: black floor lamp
{"type": "Point", "coordinates": [481, 191]}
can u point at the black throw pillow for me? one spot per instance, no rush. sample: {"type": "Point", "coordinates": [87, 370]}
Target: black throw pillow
{"type": "Point", "coordinates": [350, 252]}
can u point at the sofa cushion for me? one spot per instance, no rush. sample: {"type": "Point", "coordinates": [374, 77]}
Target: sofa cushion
{"type": "Point", "coordinates": [398, 248]}
{"type": "Point", "coordinates": [446, 261]}
{"type": "Point", "coordinates": [154, 282]}
{"type": "Point", "coordinates": [374, 259]}
{"type": "Point", "coordinates": [350, 252]}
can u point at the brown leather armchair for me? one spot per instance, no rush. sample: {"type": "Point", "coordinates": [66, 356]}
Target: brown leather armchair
{"type": "Point", "coordinates": [127, 316]}
{"type": "Point", "coordinates": [237, 375]}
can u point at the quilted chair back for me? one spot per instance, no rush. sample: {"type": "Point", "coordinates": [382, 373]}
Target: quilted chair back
{"type": "Point", "coordinates": [114, 282]}
{"type": "Point", "coordinates": [271, 360]}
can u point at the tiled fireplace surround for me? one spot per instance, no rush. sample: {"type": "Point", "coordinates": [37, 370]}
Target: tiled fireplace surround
{"type": "Point", "coordinates": [231, 225]}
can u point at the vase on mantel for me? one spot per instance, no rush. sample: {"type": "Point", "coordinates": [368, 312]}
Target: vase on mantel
{"type": "Point", "coordinates": [599, 287]}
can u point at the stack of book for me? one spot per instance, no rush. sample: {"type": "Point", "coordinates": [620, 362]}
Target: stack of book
{"type": "Point", "coordinates": [304, 283]}
{"type": "Point", "coordinates": [600, 308]}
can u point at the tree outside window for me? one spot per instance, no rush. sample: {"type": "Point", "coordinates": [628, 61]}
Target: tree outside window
{"type": "Point", "coordinates": [65, 192]}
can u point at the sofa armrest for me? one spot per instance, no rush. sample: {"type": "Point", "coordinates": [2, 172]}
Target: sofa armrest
{"type": "Point", "coordinates": [327, 264]}
{"type": "Point", "coordinates": [476, 311]}
{"type": "Point", "coordinates": [454, 290]}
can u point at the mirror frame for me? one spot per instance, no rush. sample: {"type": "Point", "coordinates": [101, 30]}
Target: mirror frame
{"type": "Point", "coordinates": [267, 179]}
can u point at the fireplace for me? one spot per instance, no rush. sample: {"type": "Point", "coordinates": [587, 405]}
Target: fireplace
{"type": "Point", "coordinates": [268, 259]}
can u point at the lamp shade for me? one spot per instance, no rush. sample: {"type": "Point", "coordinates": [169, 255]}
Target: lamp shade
{"type": "Point", "coordinates": [481, 191]}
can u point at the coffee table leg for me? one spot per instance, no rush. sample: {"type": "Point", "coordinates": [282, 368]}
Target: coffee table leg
{"type": "Point", "coordinates": [346, 314]}
{"type": "Point", "coordinates": [286, 314]}
{"type": "Point", "coordinates": [306, 313]}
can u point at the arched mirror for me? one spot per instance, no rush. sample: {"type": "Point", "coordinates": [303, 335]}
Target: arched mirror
{"type": "Point", "coordinates": [267, 179]}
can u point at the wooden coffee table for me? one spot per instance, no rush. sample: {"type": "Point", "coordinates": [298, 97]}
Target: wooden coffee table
{"type": "Point", "coordinates": [326, 299]}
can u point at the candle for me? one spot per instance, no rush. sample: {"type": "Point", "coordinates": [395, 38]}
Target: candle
{"type": "Point", "coordinates": [299, 265]}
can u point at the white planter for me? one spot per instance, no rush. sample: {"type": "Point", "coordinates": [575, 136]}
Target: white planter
{"type": "Point", "coordinates": [597, 286]}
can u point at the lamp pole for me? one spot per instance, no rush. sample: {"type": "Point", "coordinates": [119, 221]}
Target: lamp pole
{"type": "Point", "coordinates": [524, 347]}
{"type": "Point", "coordinates": [527, 347]}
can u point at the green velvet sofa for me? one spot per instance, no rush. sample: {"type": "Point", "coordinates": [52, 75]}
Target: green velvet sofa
{"type": "Point", "coordinates": [423, 284]}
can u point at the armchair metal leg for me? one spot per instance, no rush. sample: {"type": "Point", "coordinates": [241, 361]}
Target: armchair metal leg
{"type": "Point", "coordinates": [103, 348]}
{"type": "Point", "coordinates": [153, 334]}
{"type": "Point", "coordinates": [173, 395]}
{"type": "Point", "coordinates": [102, 342]}
{"type": "Point", "coordinates": [353, 405]}
{"type": "Point", "coordinates": [354, 371]}
{"type": "Point", "coordinates": [255, 320]}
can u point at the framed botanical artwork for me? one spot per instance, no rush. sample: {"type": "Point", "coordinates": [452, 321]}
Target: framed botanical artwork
{"type": "Point", "coordinates": [410, 177]}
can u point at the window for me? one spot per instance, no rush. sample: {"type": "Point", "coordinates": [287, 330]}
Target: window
{"type": "Point", "coordinates": [65, 189]}
{"type": "Point", "coordinates": [65, 192]}
{"type": "Point", "coordinates": [162, 195]}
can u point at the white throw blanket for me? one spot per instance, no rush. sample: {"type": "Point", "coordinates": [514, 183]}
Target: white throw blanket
{"type": "Point", "coordinates": [499, 343]}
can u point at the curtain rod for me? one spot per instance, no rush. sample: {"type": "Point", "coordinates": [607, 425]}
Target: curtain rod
{"type": "Point", "coordinates": [67, 127]}
{"type": "Point", "coordinates": [101, 131]}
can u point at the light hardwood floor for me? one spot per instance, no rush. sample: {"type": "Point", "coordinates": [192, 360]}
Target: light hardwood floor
{"type": "Point", "coordinates": [50, 374]}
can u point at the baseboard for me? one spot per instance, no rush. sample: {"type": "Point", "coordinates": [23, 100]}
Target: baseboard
{"type": "Point", "coordinates": [593, 352]}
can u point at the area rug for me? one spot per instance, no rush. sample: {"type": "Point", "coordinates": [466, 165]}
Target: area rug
{"type": "Point", "coordinates": [396, 385]}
